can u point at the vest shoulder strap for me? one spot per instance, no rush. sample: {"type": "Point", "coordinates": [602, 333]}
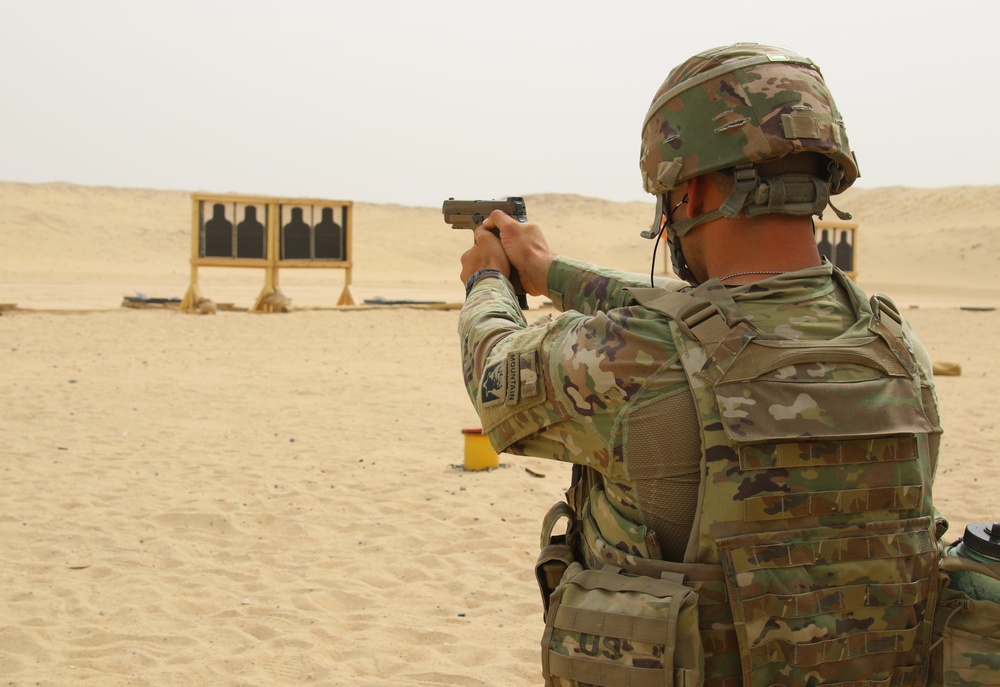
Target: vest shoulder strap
{"type": "Point", "coordinates": [701, 317]}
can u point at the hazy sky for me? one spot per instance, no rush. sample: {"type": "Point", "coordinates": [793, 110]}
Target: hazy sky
{"type": "Point", "coordinates": [412, 102]}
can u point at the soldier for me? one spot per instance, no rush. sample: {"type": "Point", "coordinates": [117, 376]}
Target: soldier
{"type": "Point", "coordinates": [762, 433]}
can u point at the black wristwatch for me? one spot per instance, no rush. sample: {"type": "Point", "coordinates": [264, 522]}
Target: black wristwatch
{"type": "Point", "coordinates": [475, 277]}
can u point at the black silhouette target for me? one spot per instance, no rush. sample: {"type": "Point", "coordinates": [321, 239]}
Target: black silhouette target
{"type": "Point", "coordinates": [312, 232]}
{"type": "Point", "coordinates": [837, 243]}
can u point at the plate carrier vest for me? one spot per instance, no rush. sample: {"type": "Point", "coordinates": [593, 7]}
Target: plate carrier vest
{"type": "Point", "coordinates": [813, 551]}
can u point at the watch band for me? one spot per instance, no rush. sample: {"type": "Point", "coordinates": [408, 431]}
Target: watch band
{"type": "Point", "coordinates": [475, 277]}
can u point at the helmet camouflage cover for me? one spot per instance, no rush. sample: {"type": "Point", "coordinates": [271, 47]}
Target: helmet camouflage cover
{"type": "Point", "coordinates": [740, 104]}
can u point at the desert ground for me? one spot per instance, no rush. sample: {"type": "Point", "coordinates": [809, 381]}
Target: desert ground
{"type": "Point", "coordinates": [247, 499]}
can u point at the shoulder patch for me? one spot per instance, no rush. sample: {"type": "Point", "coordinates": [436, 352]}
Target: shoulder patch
{"type": "Point", "coordinates": [509, 387]}
{"type": "Point", "coordinates": [500, 382]}
{"type": "Point", "coordinates": [528, 374]}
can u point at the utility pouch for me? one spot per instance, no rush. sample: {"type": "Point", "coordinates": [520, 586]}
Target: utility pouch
{"type": "Point", "coordinates": [966, 630]}
{"type": "Point", "coordinates": [607, 628]}
{"type": "Point", "coordinates": [557, 551]}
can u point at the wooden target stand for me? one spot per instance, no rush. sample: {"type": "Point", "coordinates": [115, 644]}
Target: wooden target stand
{"type": "Point", "coordinates": [268, 233]}
{"type": "Point", "coordinates": [836, 241]}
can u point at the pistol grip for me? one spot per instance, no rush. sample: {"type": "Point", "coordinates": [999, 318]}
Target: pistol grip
{"type": "Point", "coordinates": [515, 280]}
{"type": "Point", "coordinates": [522, 297]}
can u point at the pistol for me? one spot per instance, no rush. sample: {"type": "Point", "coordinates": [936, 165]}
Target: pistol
{"type": "Point", "coordinates": [469, 214]}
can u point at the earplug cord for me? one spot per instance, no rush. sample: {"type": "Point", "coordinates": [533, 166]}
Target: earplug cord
{"type": "Point", "coordinates": [669, 214]}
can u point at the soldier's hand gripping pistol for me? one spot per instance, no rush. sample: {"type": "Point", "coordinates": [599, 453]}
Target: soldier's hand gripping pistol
{"type": "Point", "coordinates": [469, 214]}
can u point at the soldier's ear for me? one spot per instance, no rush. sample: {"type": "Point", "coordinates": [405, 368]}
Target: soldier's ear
{"type": "Point", "coordinates": [697, 189]}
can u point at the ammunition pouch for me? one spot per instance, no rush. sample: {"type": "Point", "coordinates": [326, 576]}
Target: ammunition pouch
{"type": "Point", "coordinates": [607, 628]}
{"type": "Point", "coordinates": [966, 649]}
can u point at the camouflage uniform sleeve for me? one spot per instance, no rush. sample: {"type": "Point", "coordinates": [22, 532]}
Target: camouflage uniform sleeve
{"type": "Point", "coordinates": [556, 388]}
{"type": "Point", "coordinates": [577, 285]}
{"type": "Point", "coordinates": [490, 314]}
{"type": "Point", "coordinates": [499, 354]}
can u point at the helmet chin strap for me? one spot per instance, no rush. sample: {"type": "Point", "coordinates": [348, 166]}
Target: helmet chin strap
{"type": "Point", "coordinates": [745, 182]}
{"type": "Point", "coordinates": [785, 194]}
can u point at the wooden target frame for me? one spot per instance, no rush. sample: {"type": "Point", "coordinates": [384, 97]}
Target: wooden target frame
{"type": "Point", "coordinates": [838, 242]}
{"type": "Point", "coordinates": [269, 233]}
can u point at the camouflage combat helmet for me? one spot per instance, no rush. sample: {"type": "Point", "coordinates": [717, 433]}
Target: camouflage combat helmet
{"type": "Point", "coordinates": [733, 107]}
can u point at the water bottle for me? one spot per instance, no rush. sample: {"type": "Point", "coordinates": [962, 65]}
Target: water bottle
{"type": "Point", "coordinates": [980, 543]}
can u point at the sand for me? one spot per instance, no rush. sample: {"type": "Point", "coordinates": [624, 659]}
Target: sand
{"type": "Point", "coordinates": [279, 499]}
